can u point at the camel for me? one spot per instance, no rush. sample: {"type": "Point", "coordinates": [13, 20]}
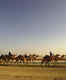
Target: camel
{"type": "Point", "coordinates": [49, 59]}
{"type": "Point", "coordinates": [19, 59]}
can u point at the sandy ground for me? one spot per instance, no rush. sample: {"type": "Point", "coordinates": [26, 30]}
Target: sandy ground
{"type": "Point", "coordinates": [32, 73]}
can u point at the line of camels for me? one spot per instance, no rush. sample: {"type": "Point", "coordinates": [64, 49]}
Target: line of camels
{"type": "Point", "coordinates": [28, 59]}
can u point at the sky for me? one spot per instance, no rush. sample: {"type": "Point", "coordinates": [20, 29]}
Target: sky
{"type": "Point", "coordinates": [32, 24]}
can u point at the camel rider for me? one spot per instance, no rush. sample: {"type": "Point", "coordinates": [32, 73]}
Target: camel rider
{"type": "Point", "coordinates": [51, 54]}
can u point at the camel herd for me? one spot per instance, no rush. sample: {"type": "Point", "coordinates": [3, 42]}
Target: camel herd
{"type": "Point", "coordinates": [29, 59]}
{"type": "Point", "coordinates": [12, 58]}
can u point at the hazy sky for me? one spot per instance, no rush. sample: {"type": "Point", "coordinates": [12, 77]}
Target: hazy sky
{"type": "Point", "coordinates": [33, 23]}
